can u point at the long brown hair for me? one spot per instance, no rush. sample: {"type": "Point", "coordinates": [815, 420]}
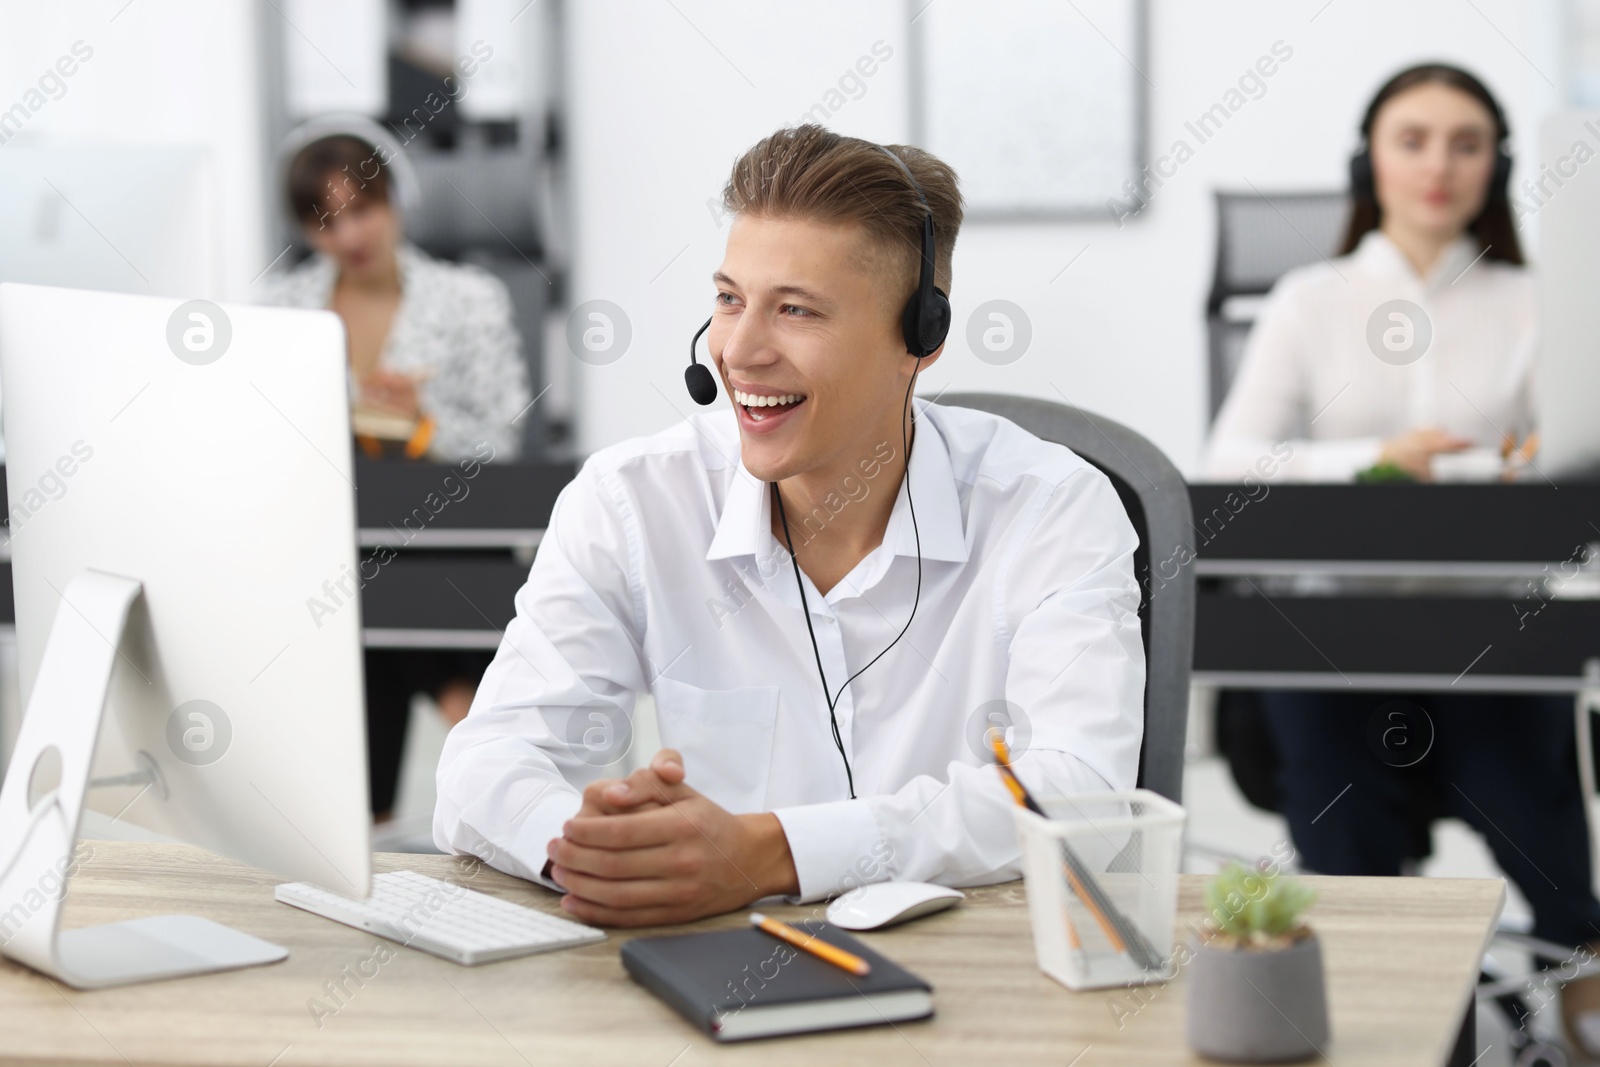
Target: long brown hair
{"type": "Point", "coordinates": [1494, 227]}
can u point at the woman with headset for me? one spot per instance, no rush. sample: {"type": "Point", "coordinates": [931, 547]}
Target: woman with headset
{"type": "Point", "coordinates": [436, 370]}
{"type": "Point", "coordinates": [1418, 340]}
{"type": "Point", "coordinates": [1415, 343]}
{"type": "Point", "coordinates": [433, 349]}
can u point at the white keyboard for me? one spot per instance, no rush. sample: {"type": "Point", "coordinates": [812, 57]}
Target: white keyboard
{"type": "Point", "coordinates": [448, 920]}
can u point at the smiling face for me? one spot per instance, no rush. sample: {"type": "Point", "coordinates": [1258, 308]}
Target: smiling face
{"type": "Point", "coordinates": [1433, 152]}
{"type": "Point", "coordinates": [806, 337]}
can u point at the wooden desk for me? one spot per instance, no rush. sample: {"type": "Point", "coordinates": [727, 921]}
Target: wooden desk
{"type": "Point", "coordinates": [1402, 955]}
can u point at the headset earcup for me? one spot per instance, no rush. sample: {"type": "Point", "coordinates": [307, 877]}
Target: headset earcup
{"type": "Point", "coordinates": [925, 328]}
{"type": "Point", "coordinates": [1500, 184]}
{"type": "Point", "coordinates": [911, 326]}
{"type": "Point", "coordinates": [936, 324]}
{"type": "Point", "coordinates": [1361, 183]}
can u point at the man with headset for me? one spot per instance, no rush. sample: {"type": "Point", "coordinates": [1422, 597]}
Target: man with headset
{"type": "Point", "coordinates": [829, 631]}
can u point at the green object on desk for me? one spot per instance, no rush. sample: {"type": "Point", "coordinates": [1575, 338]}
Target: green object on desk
{"type": "Point", "coordinates": [1382, 473]}
{"type": "Point", "coordinates": [1255, 907]}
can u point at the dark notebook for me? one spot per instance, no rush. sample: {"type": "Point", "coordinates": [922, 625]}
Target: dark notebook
{"type": "Point", "coordinates": [738, 984]}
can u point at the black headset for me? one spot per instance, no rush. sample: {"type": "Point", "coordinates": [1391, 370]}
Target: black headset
{"type": "Point", "coordinates": [924, 325]}
{"type": "Point", "coordinates": [926, 319]}
{"type": "Point", "coordinates": [1363, 186]}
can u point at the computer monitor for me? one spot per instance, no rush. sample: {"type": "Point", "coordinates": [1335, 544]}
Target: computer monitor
{"type": "Point", "coordinates": [183, 550]}
{"type": "Point", "coordinates": [1566, 208]}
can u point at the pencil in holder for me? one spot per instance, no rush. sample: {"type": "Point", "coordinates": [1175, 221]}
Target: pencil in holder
{"type": "Point", "coordinates": [1102, 879]}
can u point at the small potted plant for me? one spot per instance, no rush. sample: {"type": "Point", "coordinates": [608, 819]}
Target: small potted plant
{"type": "Point", "coordinates": [1255, 983]}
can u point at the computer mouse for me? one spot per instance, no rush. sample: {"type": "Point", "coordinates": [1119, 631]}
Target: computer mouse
{"type": "Point", "coordinates": [880, 904]}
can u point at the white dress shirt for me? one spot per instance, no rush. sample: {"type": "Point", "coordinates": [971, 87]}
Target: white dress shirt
{"type": "Point", "coordinates": [1310, 377]}
{"type": "Point", "coordinates": [660, 573]}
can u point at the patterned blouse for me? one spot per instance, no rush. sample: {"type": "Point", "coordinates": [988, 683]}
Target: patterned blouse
{"type": "Point", "coordinates": [454, 320]}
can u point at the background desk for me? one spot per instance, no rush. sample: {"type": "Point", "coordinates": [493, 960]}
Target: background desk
{"type": "Point", "coordinates": [484, 543]}
{"type": "Point", "coordinates": [479, 532]}
{"type": "Point", "coordinates": [1479, 626]}
{"type": "Point", "coordinates": [455, 570]}
{"type": "Point", "coordinates": [1402, 956]}
{"type": "Point", "coordinates": [461, 550]}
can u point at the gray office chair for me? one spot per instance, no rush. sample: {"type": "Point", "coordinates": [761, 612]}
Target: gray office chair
{"type": "Point", "coordinates": [1157, 502]}
{"type": "Point", "coordinates": [479, 206]}
{"type": "Point", "coordinates": [1259, 239]}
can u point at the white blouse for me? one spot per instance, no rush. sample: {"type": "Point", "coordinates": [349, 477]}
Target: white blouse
{"type": "Point", "coordinates": [1312, 376]}
{"type": "Point", "coordinates": [453, 323]}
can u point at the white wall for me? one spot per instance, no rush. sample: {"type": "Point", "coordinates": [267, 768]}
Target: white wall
{"type": "Point", "coordinates": [665, 96]}
{"type": "Point", "coordinates": [167, 73]}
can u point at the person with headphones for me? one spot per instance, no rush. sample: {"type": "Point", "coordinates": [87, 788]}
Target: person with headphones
{"type": "Point", "coordinates": [435, 367]}
{"type": "Point", "coordinates": [1419, 339]}
{"type": "Point", "coordinates": [1416, 342]}
{"type": "Point", "coordinates": [433, 346]}
{"type": "Point", "coordinates": [833, 591]}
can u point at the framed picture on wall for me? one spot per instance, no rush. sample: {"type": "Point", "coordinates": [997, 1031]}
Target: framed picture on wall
{"type": "Point", "coordinates": [1582, 36]}
{"type": "Point", "coordinates": [1039, 105]}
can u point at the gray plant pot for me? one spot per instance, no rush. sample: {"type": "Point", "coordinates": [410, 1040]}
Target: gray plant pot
{"type": "Point", "coordinates": [1257, 1006]}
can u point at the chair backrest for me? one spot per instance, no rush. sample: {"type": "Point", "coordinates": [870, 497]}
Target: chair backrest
{"type": "Point", "coordinates": [1157, 501]}
{"type": "Point", "coordinates": [529, 289]}
{"type": "Point", "coordinates": [479, 205]}
{"type": "Point", "coordinates": [483, 197]}
{"type": "Point", "coordinates": [1259, 239]}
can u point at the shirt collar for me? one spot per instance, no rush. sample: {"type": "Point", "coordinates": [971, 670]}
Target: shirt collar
{"type": "Point", "coordinates": [1382, 256]}
{"type": "Point", "coordinates": [745, 527]}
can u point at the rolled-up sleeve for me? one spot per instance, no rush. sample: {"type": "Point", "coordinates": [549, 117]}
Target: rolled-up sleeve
{"type": "Point", "coordinates": [554, 711]}
{"type": "Point", "coordinates": [1074, 680]}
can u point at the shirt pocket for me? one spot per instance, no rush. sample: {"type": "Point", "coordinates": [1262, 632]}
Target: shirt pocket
{"type": "Point", "coordinates": [724, 736]}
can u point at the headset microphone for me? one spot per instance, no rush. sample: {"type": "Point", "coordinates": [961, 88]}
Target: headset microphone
{"type": "Point", "coordinates": [698, 377]}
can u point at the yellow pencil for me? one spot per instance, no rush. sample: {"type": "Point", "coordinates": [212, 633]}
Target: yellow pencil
{"type": "Point", "coordinates": [819, 948]}
{"type": "Point", "coordinates": [1020, 794]}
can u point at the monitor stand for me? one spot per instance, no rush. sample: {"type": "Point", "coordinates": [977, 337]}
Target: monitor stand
{"type": "Point", "coordinates": [38, 836]}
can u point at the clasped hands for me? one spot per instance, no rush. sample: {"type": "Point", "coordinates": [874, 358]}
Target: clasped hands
{"type": "Point", "coordinates": [649, 849]}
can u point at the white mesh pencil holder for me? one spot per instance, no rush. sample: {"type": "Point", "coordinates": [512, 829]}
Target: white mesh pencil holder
{"type": "Point", "coordinates": [1102, 877]}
